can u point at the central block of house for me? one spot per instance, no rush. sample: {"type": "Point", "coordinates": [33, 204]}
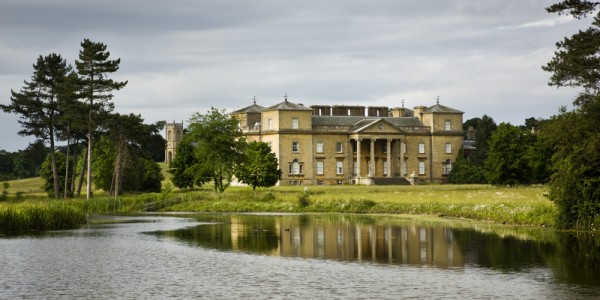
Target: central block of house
{"type": "Point", "coordinates": [355, 144]}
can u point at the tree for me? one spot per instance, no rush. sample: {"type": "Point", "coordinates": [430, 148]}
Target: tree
{"type": "Point", "coordinates": [485, 128]}
{"type": "Point", "coordinates": [259, 167]}
{"type": "Point", "coordinates": [220, 141]}
{"type": "Point", "coordinates": [139, 174]}
{"type": "Point", "coordinates": [36, 103]}
{"type": "Point", "coordinates": [507, 162]}
{"type": "Point", "coordinates": [7, 164]}
{"type": "Point", "coordinates": [29, 161]}
{"type": "Point", "coordinates": [183, 166]}
{"type": "Point", "coordinates": [465, 172]}
{"type": "Point", "coordinates": [46, 173]}
{"type": "Point", "coordinates": [574, 136]}
{"type": "Point", "coordinates": [94, 67]}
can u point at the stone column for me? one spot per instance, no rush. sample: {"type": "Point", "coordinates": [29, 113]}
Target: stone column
{"type": "Point", "coordinates": [372, 153]}
{"type": "Point", "coordinates": [402, 147]}
{"type": "Point", "coordinates": [358, 158]}
{"type": "Point", "coordinates": [389, 158]}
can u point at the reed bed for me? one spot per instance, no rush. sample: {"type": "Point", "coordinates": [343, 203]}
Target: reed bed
{"type": "Point", "coordinates": [38, 216]}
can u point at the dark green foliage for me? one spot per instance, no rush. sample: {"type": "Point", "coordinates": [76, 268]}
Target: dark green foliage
{"type": "Point", "coordinates": [220, 145]}
{"type": "Point", "coordinates": [507, 162]}
{"type": "Point", "coordinates": [303, 200]}
{"type": "Point", "coordinates": [37, 106]}
{"type": "Point", "coordinates": [485, 128]}
{"type": "Point", "coordinates": [259, 167]}
{"type": "Point", "coordinates": [574, 136]}
{"type": "Point", "coordinates": [139, 174]}
{"type": "Point", "coordinates": [183, 167]}
{"type": "Point", "coordinates": [465, 172]}
{"type": "Point", "coordinates": [28, 162]}
{"type": "Point", "coordinates": [7, 165]}
{"type": "Point", "coordinates": [46, 173]}
{"type": "Point", "coordinates": [153, 177]}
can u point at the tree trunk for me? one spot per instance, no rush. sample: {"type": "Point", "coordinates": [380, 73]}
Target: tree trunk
{"type": "Point", "coordinates": [54, 169]}
{"type": "Point", "coordinates": [67, 163]}
{"type": "Point", "coordinates": [74, 173]}
{"type": "Point", "coordinates": [81, 175]}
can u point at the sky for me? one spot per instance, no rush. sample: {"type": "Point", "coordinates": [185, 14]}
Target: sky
{"type": "Point", "coordinates": [186, 56]}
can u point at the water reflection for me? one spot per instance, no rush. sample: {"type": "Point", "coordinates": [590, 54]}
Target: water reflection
{"type": "Point", "coordinates": [362, 238]}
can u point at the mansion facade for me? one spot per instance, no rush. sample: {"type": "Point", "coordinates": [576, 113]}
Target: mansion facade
{"type": "Point", "coordinates": [326, 145]}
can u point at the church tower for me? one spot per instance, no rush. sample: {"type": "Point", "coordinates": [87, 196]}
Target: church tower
{"type": "Point", "coordinates": [174, 132]}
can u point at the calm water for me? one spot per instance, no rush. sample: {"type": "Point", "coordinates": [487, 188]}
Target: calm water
{"type": "Point", "coordinates": [298, 256]}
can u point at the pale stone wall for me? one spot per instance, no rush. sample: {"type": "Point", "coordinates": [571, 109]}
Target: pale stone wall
{"type": "Point", "coordinates": [433, 135]}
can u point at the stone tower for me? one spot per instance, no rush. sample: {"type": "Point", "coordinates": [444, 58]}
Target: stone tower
{"type": "Point", "coordinates": [174, 132]}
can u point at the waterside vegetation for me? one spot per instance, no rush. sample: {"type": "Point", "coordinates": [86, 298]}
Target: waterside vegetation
{"type": "Point", "coordinates": [504, 205]}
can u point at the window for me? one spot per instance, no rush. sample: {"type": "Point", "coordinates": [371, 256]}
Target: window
{"type": "Point", "coordinates": [447, 125]}
{"type": "Point", "coordinates": [270, 124]}
{"type": "Point", "coordinates": [404, 148]}
{"type": "Point", "coordinates": [319, 182]}
{"type": "Point", "coordinates": [296, 167]}
{"type": "Point", "coordinates": [421, 167]}
{"type": "Point", "coordinates": [295, 147]}
{"type": "Point", "coordinates": [447, 167]}
{"type": "Point", "coordinates": [385, 167]}
{"type": "Point", "coordinates": [295, 123]}
{"type": "Point", "coordinates": [320, 167]}
{"type": "Point", "coordinates": [448, 148]}
{"type": "Point", "coordinates": [421, 148]}
{"type": "Point", "coordinates": [404, 169]}
{"type": "Point", "coordinates": [339, 167]}
{"type": "Point", "coordinates": [338, 147]}
{"type": "Point", "coordinates": [319, 147]}
{"type": "Point", "coordinates": [355, 167]}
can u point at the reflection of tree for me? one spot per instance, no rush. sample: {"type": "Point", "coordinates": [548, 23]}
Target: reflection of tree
{"type": "Point", "coordinates": [577, 258]}
{"type": "Point", "coordinates": [244, 233]}
{"type": "Point", "coordinates": [508, 253]}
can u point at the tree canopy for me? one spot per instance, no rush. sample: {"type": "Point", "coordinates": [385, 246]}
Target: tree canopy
{"type": "Point", "coordinates": [220, 144]}
{"type": "Point", "coordinates": [259, 168]}
{"type": "Point", "coordinates": [574, 136]}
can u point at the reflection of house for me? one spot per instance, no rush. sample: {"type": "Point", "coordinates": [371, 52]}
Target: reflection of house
{"type": "Point", "coordinates": [386, 244]}
{"type": "Point", "coordinates": [356, 144]}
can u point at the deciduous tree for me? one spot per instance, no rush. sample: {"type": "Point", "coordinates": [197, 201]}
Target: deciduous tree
{"type": "Point", "coordinates": [220, 141]}
{"type": "Point", "coordinates": [259, 167]}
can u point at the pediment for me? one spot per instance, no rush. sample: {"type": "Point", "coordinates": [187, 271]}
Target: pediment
{"type": "Point", "coordinates": [376, 126]}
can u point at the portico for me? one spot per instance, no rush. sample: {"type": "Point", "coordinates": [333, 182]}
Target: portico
{"type": "Point", "coordinates": [377, 146]}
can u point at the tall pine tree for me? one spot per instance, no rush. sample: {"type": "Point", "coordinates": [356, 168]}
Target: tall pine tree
{"type": "Point", "coordinates": [37, 104]}
{"type": "Point", "coordinates": [93, 67]}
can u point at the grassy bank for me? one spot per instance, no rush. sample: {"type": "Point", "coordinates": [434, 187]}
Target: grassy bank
{"type": "Point", "coordinates": [521, 206]}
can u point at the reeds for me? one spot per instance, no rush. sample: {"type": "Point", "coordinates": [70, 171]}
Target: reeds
{"type": "Point", "coordinates": [17, 217]}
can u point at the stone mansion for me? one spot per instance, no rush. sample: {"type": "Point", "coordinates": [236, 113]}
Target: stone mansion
{"type": "Point", "coordinates": [326, 145]}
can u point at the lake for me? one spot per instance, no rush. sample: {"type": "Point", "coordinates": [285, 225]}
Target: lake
{"type": "Point", "coordinates": [293, 256]}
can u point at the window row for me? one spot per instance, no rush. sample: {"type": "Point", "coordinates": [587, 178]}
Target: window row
{"type": "Point", "coordinates": [297, 168]}
{"type": "Point", "coordinates": [320, 148]}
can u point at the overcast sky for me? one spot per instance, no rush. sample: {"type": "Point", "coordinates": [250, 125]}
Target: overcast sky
{"type": "Point", "coordinates": [181, 57]}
